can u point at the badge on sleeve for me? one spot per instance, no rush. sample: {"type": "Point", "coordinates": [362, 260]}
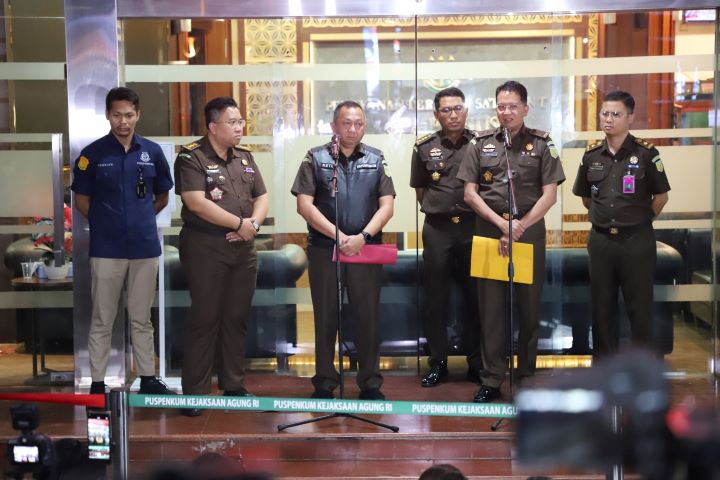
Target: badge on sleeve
{"type": "Point", "coordinates": [658, 164]}
{"type": "Point", "coordinates": [553, 149]}
{"type": "Point", "coordinates": [216, 194]}
{"type": "Point", "coordinates": [629, 184]}
{"type": "Point", "coordinates": [83, 163]}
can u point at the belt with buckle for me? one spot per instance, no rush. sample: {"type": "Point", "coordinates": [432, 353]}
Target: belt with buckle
{"type": "Point", "coordinates": [454, 219]}
{"type": "Point", "coordinates": [619, 230]}
{"type": "Point", "coordinates": [506, 216]}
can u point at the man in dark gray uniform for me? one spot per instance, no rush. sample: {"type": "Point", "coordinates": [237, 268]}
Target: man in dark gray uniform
{"type": "Point", "coordinates": [537, 172]}
{"type": "Point", "coordinates": [447, 232]}
{"type": "Point", "coordinates": [623, 184]}
{"type": "Point", "coordinates": [365, 201]}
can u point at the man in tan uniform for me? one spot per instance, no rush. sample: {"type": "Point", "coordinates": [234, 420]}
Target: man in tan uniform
{"type": "Point", "coordinates": [537, 172]}
{"type": "Point", "coordinates": [224, 204]}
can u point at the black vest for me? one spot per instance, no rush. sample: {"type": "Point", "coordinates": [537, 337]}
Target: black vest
{"type": "Point", "coordinates": [358, 190]}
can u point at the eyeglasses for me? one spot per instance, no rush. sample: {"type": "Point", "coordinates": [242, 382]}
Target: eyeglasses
{"type": "Point", "coordinates": [234, 123]}
{"type": "Point", "coordinates": [607, 113]}
{"type": "Point", "coordinates": [512, 107]}
{"type": "Point", "coordinates": [459, 108]}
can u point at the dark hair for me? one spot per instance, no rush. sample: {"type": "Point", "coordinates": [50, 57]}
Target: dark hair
{"type": "Point", "coordinates": [513, 86]}
{"type": "Point", "coordinates": [346, 104]}
{"type": "Point", "coordinates": [122, 94]}
{"type": "Point", "coordinates": [448, 92]}
{"type": "Point", "coordinates": [443, 471]}
{"type": "Point", "coordinates": [621, 96]}
{"type": "Point", "coordinates": [215, 107]}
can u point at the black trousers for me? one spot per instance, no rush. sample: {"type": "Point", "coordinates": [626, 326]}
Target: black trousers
{"type": "Point", "coordinates": [362, 284]}
{"type": "Point", "coordinates": [446, 254]}
{"type": "Point", "coordinates": [221, 278]}
{"type": "Point", "coordinates": [621, 262]}
{"type": "Point", "coordinates": [494, 319]}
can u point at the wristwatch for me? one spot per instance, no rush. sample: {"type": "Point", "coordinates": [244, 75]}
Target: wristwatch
{"type": "Point", "coordinates": [366, 236]}
{"type": "Point", "coordinates": [255, 225]}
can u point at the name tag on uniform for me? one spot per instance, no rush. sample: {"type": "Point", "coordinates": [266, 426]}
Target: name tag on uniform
{"type": "Point", "coordinates": [249, 170]}
{"type": "Point", "coordinates": [327, 166]}
{"type": "Point", "coordinates": [367, 166]}
{"type": "Point", "coordinates": [489, 154]}
{"type": "Point", "coordinates": [629, 184]}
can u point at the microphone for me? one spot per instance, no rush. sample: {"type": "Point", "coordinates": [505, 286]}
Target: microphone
{"type": "Point", "coordinates": [335, 153]}
{"type": "Point", "coordinates": [335, 147]}
{"type": "Point", "coordinates": [506, 137]}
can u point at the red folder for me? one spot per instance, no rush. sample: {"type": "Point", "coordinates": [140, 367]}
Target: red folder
{"type": "Point", "coordinates": [383, 254]}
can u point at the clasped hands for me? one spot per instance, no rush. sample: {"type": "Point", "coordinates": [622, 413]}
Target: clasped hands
{"type": "Point", "coordinates": [517, 231]}
{"type": "Point", "coordinates": [351, 244]}
{"type": "Point", "coordinates": [245, 233]}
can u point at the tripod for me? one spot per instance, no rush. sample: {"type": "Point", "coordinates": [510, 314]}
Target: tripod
{"type": "Point", "coordinates": [512, 213]}
{"type": "Point", "coordinates": [335, 150]}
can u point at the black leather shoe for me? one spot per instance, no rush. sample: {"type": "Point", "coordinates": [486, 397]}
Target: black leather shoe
{"type": "Point", "coordinates": [322, 393]}
{"type": "Point", "coordinates": [371, 394]}
{"type": "Point", "coordinates": [240, 392]}
{"type": "Point", "coordinates": [438, 372]}
{"type": "Point", "coordinates": [154, 386]}
{"type": "Point", "coordinates": [486, 394]}
{"type": "Point", "coordinates": [97, 388]}
{"type": "Point", "coordinates": [191, 412]}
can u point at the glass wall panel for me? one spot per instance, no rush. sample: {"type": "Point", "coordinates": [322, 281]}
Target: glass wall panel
{"type": "Point", "coordinates": [289, 74]}
{"type": "Point", "coordinates": [35, 315]}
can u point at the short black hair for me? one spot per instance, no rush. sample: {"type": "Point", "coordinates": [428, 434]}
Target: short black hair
{"type": "Point", "coordinates": [215, 107]}
{"type": "Point", "coordinates": [443, 471]}
{"type": "Point", "coordinates": [513, 86]}
{"type": "Point", "coordinates": [345, 104]}
{"type": "Point", "coordinates": [448, 92]}
{"type": "Point", "coordinates": [122, 94]}
{"type": "Point", "coordinates": [621, 96]}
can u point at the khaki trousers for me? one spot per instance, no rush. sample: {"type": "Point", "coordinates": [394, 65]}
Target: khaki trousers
{"type": "Point", "coordinates": [108, 276]}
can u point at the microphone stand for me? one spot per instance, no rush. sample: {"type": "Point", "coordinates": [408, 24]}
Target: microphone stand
{"type": "Point", "coordinates": [335, 151]}
{"type": "Point", "coordinates": [512, 212]}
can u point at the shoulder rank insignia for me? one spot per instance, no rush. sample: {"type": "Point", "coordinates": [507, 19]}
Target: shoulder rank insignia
{"type": "Point", "coordinates": [644, 143]}
{"type": "Point", "coordinates": [539, 133]}
{"type": "Point", "coordinates": [191, 146]}
{"type": "Point", "coordinates": [244, 148]}
{"type": "Point", "coordinates": [481, 134]}
{"type": "Point", "coordinates": [424, 138]}
{"type": "Point", "coordinates": [593, 145]}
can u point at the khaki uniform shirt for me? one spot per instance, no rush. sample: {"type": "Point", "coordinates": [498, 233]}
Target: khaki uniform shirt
{"type": "Point", "coordinates": [533, 157]}
{"type": "Point", "coordinates": [434, 167]}
{"type": "Point", "coordinates": [621, 186]}
{"type": "Point", "coordinates": [231, 185]}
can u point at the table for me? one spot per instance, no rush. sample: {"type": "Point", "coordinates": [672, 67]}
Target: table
{"type": "Point", "coordinates": [40, 284]}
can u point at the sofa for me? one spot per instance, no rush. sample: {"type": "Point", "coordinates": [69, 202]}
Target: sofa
{"type": "Point", "coordinates": [565, 311]}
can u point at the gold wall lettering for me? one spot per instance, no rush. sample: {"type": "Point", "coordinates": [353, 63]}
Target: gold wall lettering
{"type": "Point", "coordinates": [453, 21]}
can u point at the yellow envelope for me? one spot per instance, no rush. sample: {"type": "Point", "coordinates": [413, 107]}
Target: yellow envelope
{"type": "Point", "coordinates": [486, 262]}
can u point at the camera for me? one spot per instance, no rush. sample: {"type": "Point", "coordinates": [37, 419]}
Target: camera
{"type": "Point", "coordinates": [30, 452]}
{"type": "Point", "coordinates": [617, 413]}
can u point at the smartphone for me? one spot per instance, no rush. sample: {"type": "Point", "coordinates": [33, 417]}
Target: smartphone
{"type": "Point", "coordinates": [98, 434]}
{"type": "Point", "coordinates": [25, 454]}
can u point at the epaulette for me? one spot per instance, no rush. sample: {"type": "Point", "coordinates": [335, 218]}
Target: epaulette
{"type": "Point", "coordinates": [644, 143]}
{"type": "Point", "coordinates": [244, 148]}
{"type": "Point", "coordinates": [593, 145]}
{"type": "Point", "coordinates": [484, 133]}
{"type": "Point", "coordinates": [424, 139]}
{"type": "Point", "coordinates": [191, 146]}
{"type": "Point", "coordinates": [539, 133]}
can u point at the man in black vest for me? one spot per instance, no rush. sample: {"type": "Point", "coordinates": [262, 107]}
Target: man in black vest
{"type": "Point", "coordinates": [365, 203]}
